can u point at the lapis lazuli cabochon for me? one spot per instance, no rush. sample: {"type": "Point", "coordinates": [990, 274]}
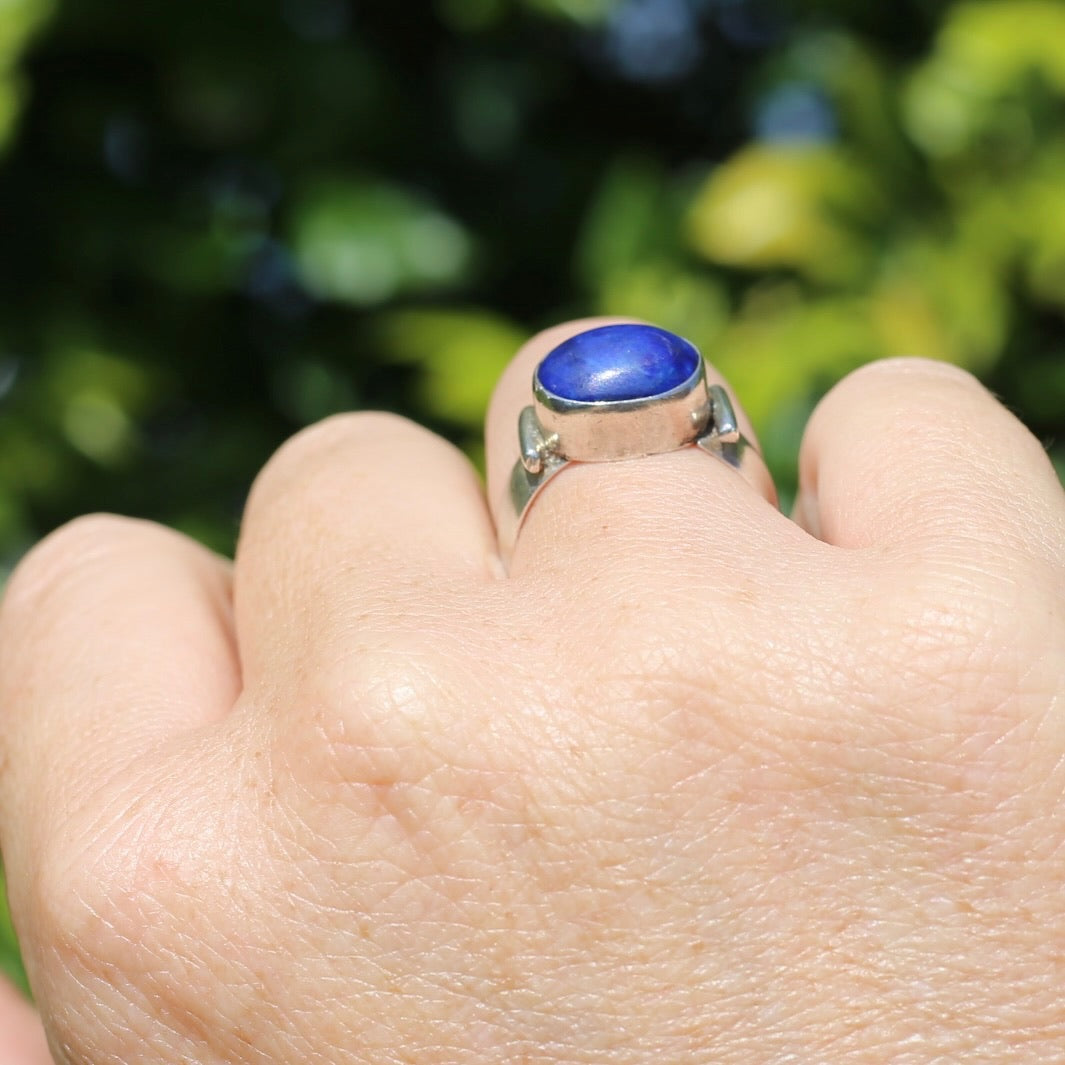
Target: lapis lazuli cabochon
{"type": "Point", "coordinates": [617, 362]}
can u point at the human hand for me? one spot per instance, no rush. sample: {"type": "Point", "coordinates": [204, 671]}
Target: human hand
{"type": "Point", "coordinates": [694, 783]}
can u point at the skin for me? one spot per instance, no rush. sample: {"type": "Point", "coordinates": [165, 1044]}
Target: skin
{"type": "Point", "coordinates": [695, 782]}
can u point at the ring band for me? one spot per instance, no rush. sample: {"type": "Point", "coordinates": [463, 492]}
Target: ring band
{"type": "Point", "coordinates": [619, 392]}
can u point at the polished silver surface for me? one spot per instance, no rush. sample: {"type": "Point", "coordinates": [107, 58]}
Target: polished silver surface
{"type": "Point", "coordinates": [554, 432]}
{"type": "Point", "coordinates": [626, 428]}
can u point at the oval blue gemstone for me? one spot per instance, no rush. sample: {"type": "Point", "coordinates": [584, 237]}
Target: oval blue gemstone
{"type": "Point", "coordinates": [617, 362]}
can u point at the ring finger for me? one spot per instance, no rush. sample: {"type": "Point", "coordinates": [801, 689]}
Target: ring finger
{"type": "Point", "coordinates": [666, 502]}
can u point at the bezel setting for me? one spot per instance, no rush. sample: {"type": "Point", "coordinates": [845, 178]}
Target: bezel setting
{"type": "Point", "coordinates": [609, 430]}
{"type": "Point", "coordinates": [555, 431]}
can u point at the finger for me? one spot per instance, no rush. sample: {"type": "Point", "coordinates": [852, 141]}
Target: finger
{"type": "Point", "coordinates": [592, 512]}
{"type": "Point", "coordinates": [363, 516]}
{"type": "Point", "coordinates": [22, 1040]}
{"type": "Point", "coordinates": [907, 449]}
{"type": "Point", "coordinates": [114, 635]}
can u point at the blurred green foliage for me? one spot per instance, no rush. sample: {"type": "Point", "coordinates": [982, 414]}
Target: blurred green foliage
{"type": "Point", "coordinates": [220, 223]}
{"type": "Point", "coordinates": [10, 962]}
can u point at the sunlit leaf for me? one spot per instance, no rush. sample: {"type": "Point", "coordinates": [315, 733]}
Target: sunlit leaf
{"type": "Point", "coordinates": [781, 346]}
{"type": "Point", "coordinates": [364, 242]}
{"type": "Point", "coordinates": [19, 21]}
{"type": "Point", "coordinates": [793, 206]}
{"type": "Point", "coordinates": [624, 225]}
{"type": "Point", "coordinates": [939, 301]}
{"type": "Point", "coordinates": [10, 962]}
{"type": "Point", "coordinates": [97, 395]}
{"type": "Point", "coordinates": [999, 41]}
{"type": "Point", "coordinates": [1039, 219]}
{"type": "Point", "coordinates": [694, 305]}
{"type": "Point", "coordinates": [971, 86]}
{"type": "Point", "coordinates": [461, 354]}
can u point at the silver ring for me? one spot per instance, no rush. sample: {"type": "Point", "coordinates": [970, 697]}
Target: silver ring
{"type": "Point", "coordinates": [619, 392]}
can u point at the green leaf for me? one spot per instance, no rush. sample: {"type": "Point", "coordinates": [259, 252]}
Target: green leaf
{"type": "Point", "coordinates": [364, 242]}
{"type": "Point", "coordinates": [461, 354]}
{"type": "Point", "coordinates": [10, 959]}
{"type": "Point", "coordinates": [793, 206]}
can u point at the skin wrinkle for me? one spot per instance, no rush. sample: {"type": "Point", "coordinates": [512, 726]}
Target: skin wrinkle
{"type": "Point", "coordinates": [192, 1015]}
{"type": "Point", "coordinates": [113, 1006]}
{"type": "Point", "coordinates": [125, 946]}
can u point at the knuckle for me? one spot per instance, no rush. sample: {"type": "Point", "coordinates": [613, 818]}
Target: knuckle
{"type": "Point", "coordinates": [77, 923]}
{"type": "Point", "coordinates": [919, 395]}
{"type": "Point", "coordinates": [66, 910]}
{"type": "Point", "coordinates": [369, 716]}
{"type": "Point", "coordinates": [81, 547]}
{"type": "Point", "coordinates": [913, 370]}
{"type": "Point", "coordinates": [318, 445]}
{"type": "Point", "coordinates": [68, 547]}
{"type": "Point", "coordinates": [97, 867]}
{"type": "Point", "coordinates": [395, 717]}
{"type": "Point", "coordinates": [371, 744]}
{"type": "Point", "coordinates": [345, 461]}
{"type": "Point", "coordinates": [104, 910]}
